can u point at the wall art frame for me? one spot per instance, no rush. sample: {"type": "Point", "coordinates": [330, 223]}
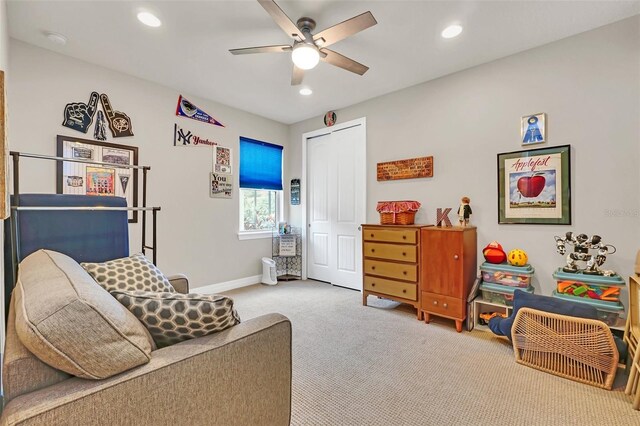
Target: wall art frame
{"type": "Point", "coordinates": [533, 129]}
{"type": "Point", "coordinates": [534, 186]}
{"type": "Point", "coordinates": [95, 179]}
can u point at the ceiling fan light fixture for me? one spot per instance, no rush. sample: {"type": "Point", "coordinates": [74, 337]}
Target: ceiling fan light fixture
{"type": "Point", "coordinates": [149, 19]}
{"type": "Point", "coordinates": [451, 31]}
{"type": "Point", "coordinates": [305, 56]}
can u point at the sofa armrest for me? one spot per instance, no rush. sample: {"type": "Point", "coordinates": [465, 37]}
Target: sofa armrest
{"type": "Point", "coordinates": [239, 376]}
{"type": "Point", "coordinates": [180, 282]}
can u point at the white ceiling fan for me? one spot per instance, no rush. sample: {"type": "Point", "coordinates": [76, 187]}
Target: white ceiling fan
{"type": "Point", "coordinates": [308, 49]}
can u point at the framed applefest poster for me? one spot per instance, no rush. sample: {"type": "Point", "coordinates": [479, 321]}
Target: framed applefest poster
{"type": "Point", "coordinates": [534, 186]}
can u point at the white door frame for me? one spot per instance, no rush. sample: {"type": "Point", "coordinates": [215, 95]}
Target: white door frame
{"type": "Point", "coordinates": [305, 179]}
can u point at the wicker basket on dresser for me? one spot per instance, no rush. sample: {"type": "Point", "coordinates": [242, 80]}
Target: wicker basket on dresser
{"type": "Point", "coordinates": [391, 263]}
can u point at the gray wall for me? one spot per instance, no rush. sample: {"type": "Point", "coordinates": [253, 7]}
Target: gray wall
{"type": "Point", "coordinates": [589, 86]}
{"type": "Point", "coordinates": [197, 234]}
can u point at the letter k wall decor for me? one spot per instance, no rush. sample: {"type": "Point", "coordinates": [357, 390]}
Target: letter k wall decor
{"type": "Point", "coordinates": [534, 187]}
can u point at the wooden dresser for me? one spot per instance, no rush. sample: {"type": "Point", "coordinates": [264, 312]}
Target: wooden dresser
{"type": "Point", "coordinates": [391, 263]}
{"type": "Point", "coordinates": [448, 270]}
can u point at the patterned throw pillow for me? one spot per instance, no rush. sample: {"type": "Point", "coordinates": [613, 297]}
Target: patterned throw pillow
{"type": "Point", "coordinates": [174, 317]}
{"type": "Point", "coordinates": [129, 274]}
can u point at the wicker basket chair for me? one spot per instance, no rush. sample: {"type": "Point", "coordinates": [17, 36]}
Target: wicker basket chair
{"type": "Point", "coordinates": [574, 348]}
{"type": "Point", "coordinates": [632, 336]}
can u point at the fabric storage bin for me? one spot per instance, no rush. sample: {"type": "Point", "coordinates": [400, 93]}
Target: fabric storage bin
{"type": "Point", "coordinates": [585, 286]}
{"type": "Point", "coordinates": [608, 312]}
{"type": "Point", "coordinates": [505, 274]}
{"type": "Point", "coordinates": [501, 294]}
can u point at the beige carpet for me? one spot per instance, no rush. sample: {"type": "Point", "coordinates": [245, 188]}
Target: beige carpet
{"type": "Point", "coordinates": [355, 365]}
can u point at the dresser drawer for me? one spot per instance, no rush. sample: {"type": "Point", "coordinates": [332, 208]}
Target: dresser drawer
{"type": "Point", "coordinates": [391, 270]}
{"type": "Point", "coordinates": [390, 287]}
{"type": "Point", "coordinates": [443, 305]}
{"type": "Point", "coordinates": [409, 236]}
{"type": "Point", "coordinates": [405, 253]}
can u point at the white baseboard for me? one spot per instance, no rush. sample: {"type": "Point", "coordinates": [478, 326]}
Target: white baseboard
{"type": "Point", "coordinates": [227, 285]}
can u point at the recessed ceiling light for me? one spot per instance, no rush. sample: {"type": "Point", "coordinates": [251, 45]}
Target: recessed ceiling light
{"type": "Point", "coordinates": [305, 91]}
{"type": "Point", "coordinates": [452, 31]}
{"type": "Point", "coordinates": [56, 38]}
{"type": "Point", "coordinates": [149, 19]}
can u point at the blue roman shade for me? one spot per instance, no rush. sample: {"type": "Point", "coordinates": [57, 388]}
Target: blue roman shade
{"type": "Point", "coordinates": [260, 165]}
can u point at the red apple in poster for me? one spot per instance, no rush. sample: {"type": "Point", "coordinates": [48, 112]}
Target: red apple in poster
{"type": "Point", "coordinates": [531, 186]}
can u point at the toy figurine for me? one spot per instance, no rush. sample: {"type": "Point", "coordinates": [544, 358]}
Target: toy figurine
{"type": "Point", "coordinates": [464, 211]}
{"type": "Point", "coordinates": [581, 245]}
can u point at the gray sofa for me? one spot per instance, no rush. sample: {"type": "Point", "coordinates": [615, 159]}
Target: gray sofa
{"type": "Point", "coordinates": [240, 376]}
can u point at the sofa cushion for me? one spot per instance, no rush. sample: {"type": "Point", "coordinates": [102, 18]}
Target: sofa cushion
{"type": "Point", "coordinates": [69, 322]}
{"type": "Point", "coordinates": [129, 274]}
{"type": "Point", "coordinates": [522, 299]}
{"type": "Point", "coordinates": [174, 317]}
{"type": "Point", "coordinates": [22, 371]}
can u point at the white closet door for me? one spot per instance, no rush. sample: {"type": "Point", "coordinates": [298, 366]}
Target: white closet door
{"type": "Point", "coordinates": [348, 211]}
{"type": "Point", "coordinates": [319, 216]}
{"type": "Point", "coordinates": [336, 208]}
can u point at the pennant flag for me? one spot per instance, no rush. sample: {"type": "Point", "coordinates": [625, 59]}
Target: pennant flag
{"type": "Point", "coordinates": [189, 110]}
{"type": "Point", "coordinates": [124, 180]}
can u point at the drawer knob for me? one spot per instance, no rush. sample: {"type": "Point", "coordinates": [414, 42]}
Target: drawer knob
{"type": "Point", "coordinates": [373, 284]}
{"type": "Point", "coordinates": [373, 268]}
{"type": "Point", "coordinates": [404, 272]}
{"type": "Point", "coordinates": [444, 305]}
{"type": "Point", "coordinates": [371, 235]}
{"type": "Point", "coordinates": [404, 237]}
{"type": "Point", "coordinates": [435, 302]}
{"type": "Point", "coordinates": [456, 257]}
{"type": "Point", "coordinates": [404, 291]}
{"type": "Point", "coordinates": [404, 253]}
{"type": "Point", "coordinates": [373, 250]}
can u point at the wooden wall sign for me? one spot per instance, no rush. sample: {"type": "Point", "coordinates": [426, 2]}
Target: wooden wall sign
{"type": "Point", "coordinates": [406, 169]}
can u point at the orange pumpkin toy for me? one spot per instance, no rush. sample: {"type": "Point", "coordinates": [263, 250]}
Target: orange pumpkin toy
{"type": "Point", "coordinates": [493, 253]}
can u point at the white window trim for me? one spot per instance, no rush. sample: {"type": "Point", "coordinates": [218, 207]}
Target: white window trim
{"type": "Point", "coordinates": [259, 234]}
{"type": "Point", "coordinates": [253, 235]}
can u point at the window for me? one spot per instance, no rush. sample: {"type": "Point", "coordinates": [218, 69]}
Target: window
{"type": "Point", "coordinates": [260, 187]}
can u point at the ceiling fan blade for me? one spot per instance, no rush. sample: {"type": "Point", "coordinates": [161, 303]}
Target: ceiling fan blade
{"type": "Point", "coordinates": [261, 49]}
{"type": "Point", "coordinates": [344, 29]}
{"type": "Point", "coordinates": [334, 58]}
{"type": "Point", "coordinates": [282, 19]}
{"type": "Point", "coordinates": [296, 76]}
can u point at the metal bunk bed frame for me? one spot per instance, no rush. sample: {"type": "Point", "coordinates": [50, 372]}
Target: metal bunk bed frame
{"type": "Point", "coordinates": [16, 209]}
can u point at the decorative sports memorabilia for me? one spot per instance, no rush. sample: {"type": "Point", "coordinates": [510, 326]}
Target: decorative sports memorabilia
{"type": "Point", "coordinates": [189, 110]}
{"type": "Point", "coordinates": [100, 129]}
{"type": "Point", "coordinates": [330, 119]}
{"type": "Point", "coordinates": [184, 137]}
{"type": "Point", "coordinates": [533, 129]}
{"type": "Point", "coordinates": [221, 186]}
{"type": "Point", "coordinates": [119, 122]}
{"type": "Point", "coordinates": [221, 160]}
{"type": "Point", "coordinates": [79, 116]}
{"type": "Point", "coordinates": [98, 179]}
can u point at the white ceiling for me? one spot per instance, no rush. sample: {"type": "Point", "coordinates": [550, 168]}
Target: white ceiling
{"type": "Point", "coordinates": [189, 52]}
